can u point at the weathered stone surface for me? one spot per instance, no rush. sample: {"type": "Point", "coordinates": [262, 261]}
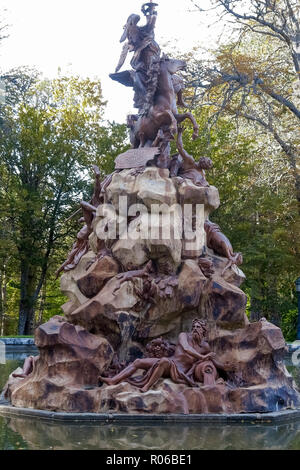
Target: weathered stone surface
{"type": "Point", "coordinates": [96, 276]}
{"type": "Point", "coordinates": [165, 243]}
{"type": "Point", "coordinates": [107, 224]}
{"type": "Point", "coordinates": [166, 314]}
{"type": "Point", "coordinates": [191, 283]}
{"type": "Point", "coordinates": [135, 158]}
{"type": "Point", "coordinates": [69, 287]}
{"type": "Point", "coordinates": [155, 187]}
{"type": "Point", "coordinates": [122, 184]}
{"type": "Point", "coordinates": [153, 237]}
{"type": "Point", "coordinates": [257, 350]}
{"type": "Point", "coordinates": [76, 349]}
{"type": "Point", "coordinates": [228, 304]}
{"type": "Point", "coordinates": [69, 356]}
{"type": "Point", "coordinates": [193, 296]}
{"type": "Point", "coordinates": [189, 193]}
{"type": "Point", "coordinates": [167, 397]}
{"type": "Point", "coordinates": [112, 311]}
{"type": "Point", "coordinates": [93, 242]}
{"type": "Point", "coordinates": [131, 253]}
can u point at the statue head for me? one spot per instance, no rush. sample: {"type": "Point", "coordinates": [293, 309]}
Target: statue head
{"type": "Point", "coordinates": [205, 163]}
{"type": "Point", "coordinates": [132, 21]}
{"type": "Point", "coordinates": [158, 347]}
{"type": "Point", "coordinates": [199, 330]}
{"type": "Point", "coordinates": [173, 65]}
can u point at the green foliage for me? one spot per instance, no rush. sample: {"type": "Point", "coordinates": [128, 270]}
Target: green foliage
{"type": "Point", "coordinates": [51, 133]}
{"type": "Point", "coordinates": [258, 213]}
{"type": "Point", "coordinates": [289, 320]}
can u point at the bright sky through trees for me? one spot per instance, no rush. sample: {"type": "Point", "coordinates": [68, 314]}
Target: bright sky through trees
{"type": "Point", "coordinates": [82, 37]}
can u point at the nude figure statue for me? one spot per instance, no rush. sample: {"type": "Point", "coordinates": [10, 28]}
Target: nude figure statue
{"type": "Point", "coordinates": [192, 363]}
{"type": "Point", "coordinates": [217, 241]}
{"type": "Point", "coordinates": [185, 166]}
{"type": "Point", "coordinates": [28, 367]}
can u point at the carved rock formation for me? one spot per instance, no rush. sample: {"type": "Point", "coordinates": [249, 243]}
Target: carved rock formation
{"type": "Point", "coordinates": [69, 357]}
{"type": "Point", "coordinates": [146, 263]}
{"type": "Point", "coordinates": [117, 306]}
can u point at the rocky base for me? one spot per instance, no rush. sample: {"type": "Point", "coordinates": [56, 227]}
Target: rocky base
{"type": "Point", "coordinates": [125, 292]}
{"type": "Point", "coordinates": [165, 398]}
{"type": "Point", "coordinates": [65, 376]}
{"type": "Point", "coordinates": [182, 284]}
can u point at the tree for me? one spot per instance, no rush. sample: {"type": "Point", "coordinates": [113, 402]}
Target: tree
{"type": "Point", "coordinates": [255, 78]}
{"type": "Point", "coordinates": [258, 213]}
{"type": "Point", "coordinates": [50, 134]}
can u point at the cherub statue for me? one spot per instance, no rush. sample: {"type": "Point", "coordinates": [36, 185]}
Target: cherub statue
{"type": "Point", "coordinates": [191, 363]}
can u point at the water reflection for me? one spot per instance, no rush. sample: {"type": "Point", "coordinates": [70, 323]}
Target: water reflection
{"type": "Point", "coordinates": [6, 369]}
{"type": "Point", "coordinates": [29, 433]}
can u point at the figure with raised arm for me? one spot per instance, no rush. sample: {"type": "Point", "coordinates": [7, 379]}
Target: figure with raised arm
{"type": "Point", "coordinates": [192, 363]}
{"type": "Point", "coordinates": [145, 60]}
{"type": "Point", "coordinates": [185, 166]}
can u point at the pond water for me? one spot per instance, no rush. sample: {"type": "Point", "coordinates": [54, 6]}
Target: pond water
{"type": "Point", "coordinates": [28, 433]}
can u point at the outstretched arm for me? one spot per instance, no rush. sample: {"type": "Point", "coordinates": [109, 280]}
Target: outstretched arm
{"type": "Point", "coordinates": [181, 150]}
{"type": "Point", "coordinates": [151, 20]}
{"type": "Point", "coordinates": [122, 56]}
{"type": "Point", "coordinates": [95, 201]}
{"type": "Point", "coordinates": [149, 11]}
{"type": "Point", "coordinates": [188, 161]}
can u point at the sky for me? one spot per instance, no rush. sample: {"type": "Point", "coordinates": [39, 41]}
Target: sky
{"type": "Point", "coordinates": [82, 37]}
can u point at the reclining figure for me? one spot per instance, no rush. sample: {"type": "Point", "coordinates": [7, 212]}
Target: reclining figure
{"type": "Point", "coordinates": [191, 363]}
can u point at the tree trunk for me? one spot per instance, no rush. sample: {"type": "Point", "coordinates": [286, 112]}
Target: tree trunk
{"type": "Point", "coordinates": [272, 298]}
{"type": "Point", "coordinates": [3, 299]}
{"type": "Point", "coordinates": [2, 313]}
{"type": "Point", "coordinates": [42, 304]}
{"type": "Point", "coordinates": [26, 310]}
{"type": "Point", "coordinates": [255, 309]}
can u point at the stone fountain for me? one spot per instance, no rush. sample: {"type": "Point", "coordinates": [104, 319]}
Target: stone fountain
{"type": "Point", "coordinates": [155, 321]}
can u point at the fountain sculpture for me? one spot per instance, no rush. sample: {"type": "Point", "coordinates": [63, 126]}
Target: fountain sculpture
{"type": "Point", "coordinates": [155, 323]}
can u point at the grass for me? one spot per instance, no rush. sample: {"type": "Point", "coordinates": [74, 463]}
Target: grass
{"type": "Point", "coordinates": [16, 336]}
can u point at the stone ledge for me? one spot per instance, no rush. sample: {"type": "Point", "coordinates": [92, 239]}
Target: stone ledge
{"type": "Point", "coordinates": [248, 418]}
{"type": "Point", "coordinates": [292, 347]}
{"type": "Point", "coordinates": [30, 342]}
{"type": "Point", "coordinates": [18, 341]}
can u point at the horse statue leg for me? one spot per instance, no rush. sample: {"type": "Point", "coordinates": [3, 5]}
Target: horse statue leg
{"type": "Point", "coordinates": [182, 117]}
{"type": "Point", "coordinates": [164, 118]}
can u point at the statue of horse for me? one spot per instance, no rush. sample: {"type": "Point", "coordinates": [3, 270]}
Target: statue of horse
{"type": "Point", "coordinates": [163, 114]}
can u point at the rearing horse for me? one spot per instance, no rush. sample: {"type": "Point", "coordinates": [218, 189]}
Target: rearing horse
{"type": "Point", "coordinates": [163, 114]}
